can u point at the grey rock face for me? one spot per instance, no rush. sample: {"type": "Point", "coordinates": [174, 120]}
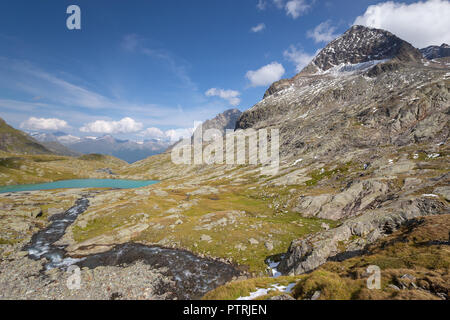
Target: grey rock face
{"type": "Point", "coordinates": [224, 121]}
{"type": "Point", "coordinates": [444, 191]}
{"type": "Point", "coordinates": [350, 202]}
{"type": "Point", "coordinates": [307, 254]}
{"type": "Point", "coordinates": [278, 86]}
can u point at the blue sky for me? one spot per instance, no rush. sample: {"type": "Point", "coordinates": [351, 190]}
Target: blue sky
{"type": "Point", "coordinates": [137, 69]}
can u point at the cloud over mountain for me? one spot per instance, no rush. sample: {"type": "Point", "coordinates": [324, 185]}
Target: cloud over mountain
{"type": "Point", "coordinates": [324, 32]}
{"type": "Point", "coordinates": [298, 57]}
{"type": "Point", "coordinates": [172, 135]}
{"type": "Point", "coordinates": [126, 125]}
{"type": "Point", "coordinates": [421, 23]}
{"type": "Point", "coordinates": [266, 75]}
{"type": "Point", "coordinates": [44, 124]}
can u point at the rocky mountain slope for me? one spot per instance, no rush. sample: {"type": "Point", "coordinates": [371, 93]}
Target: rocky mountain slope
{"type": "Point", "coordinates": [16, 141]}
{"type": "Point", "coordinates": [395, 101]}
{"type": "Point", "coordinates": [366, 96]}
{"type": "Point", "coordinates": [59, 149]}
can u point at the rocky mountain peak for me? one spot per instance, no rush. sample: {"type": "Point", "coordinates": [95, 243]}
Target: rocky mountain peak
{"type": "Point", "coordinates": [436, 52]}
{"type": "Point", "coordinates": [223, 121]}
{"type": "Point", "coordinates": [362, 44]}
{"type": "Point", "coordinates": [358, 49]}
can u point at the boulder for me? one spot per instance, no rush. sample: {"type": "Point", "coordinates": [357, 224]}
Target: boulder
{"type": "Point", "coordinates": [36, 213]}
{"type": "Point", "coordinates": [269, 245]}
{"type": "Point", "coordinates": [345, 204]}
{"type": "Point", "coordinates": [443, 191]}
{"type": "Point", "coordinates": [282, 297]}
{"type": "Point", "coordinates": [160, 193]}
{"type": "Point", "coordinates": [53, 211]}
{"type": "Point", "coordinates": [205, 238]}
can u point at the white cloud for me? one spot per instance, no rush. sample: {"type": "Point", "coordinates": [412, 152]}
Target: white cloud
{"type": "Point", "coordinates": [260, 27]}
{"type": "Point", "coordinates": [421, 23]}
{"type": "Point", "coordinates": [173, 135]}
{"type": "Point", "coordinates": [177, 134]}
{"type": "Point", "coordinates": [126, 125]}
{"type": "Point", "coordinates": [279, 3]}
{"type": "Point", "coordinates": [261, 5]}
{"type": "Point", "coordinates": [153, 133]}
{"type": "Point", "coordinates": [266, 75]}
{"type": "Point", "coordinates": [44, 124]}
{"type": "Point", "coordinates": [299, 57]}
{"type": "Point", "coordinates": [324, 32]}
{"type": "Point", "coordinates": [231, 96]}
{"type": "Point", "coordinates": [296, 8]}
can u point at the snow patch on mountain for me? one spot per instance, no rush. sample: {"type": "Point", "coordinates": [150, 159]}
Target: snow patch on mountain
{"type": "Point", "coordinates": [350, 68]}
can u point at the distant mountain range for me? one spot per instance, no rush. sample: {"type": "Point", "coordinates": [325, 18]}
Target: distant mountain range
{"type": "Point", "coordinates": [127, 150]}
{"type": "Point", "coordinates": [61, 143]}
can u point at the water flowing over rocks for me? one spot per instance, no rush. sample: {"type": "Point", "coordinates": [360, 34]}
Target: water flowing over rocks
{"type": "Point", "coordinates": [161, 273]}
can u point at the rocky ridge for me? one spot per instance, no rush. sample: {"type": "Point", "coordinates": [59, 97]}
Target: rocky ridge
{"type": "Point", "coordinates": [436, 52]}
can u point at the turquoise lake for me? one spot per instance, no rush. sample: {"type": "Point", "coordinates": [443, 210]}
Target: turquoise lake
{"type": "Point", "coordinates": [81, 183]}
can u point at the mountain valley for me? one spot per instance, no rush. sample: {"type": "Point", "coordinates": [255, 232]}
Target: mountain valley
{"type": "Point", "coordinates": [363, 180]}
